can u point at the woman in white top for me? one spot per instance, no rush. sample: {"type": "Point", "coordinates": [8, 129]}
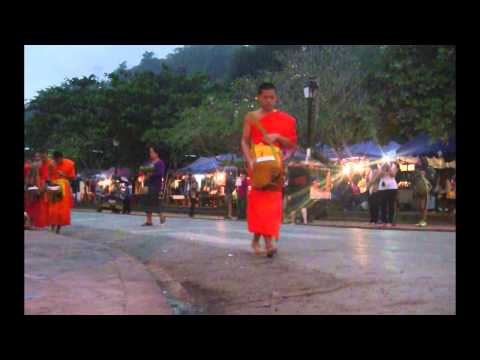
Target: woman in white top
{"type": "Point", "coordinates": [388, 190]}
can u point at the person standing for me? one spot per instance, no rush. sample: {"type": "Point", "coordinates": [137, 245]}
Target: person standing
{"type": "Point", "coordinates": [229, 188]}
{"type": "Point", "coordinates": [388, 190]}
{"type": "Point", "coordinates": [153, 181]}
{"type": "Point", "coordinates": [443, 187]}
{"type": "Point", "coordinates": [421, 192]}
{"type": "Point", "coordinates": [264, 207]}
{"type": "Point", "coordinates": [242, 189]}
{"type": "Point", "coordinates": [373, 195]}
{"type": "Point", "coordinates": [192, 193]}
{"type": "Point", "coordinates": [62, 172]}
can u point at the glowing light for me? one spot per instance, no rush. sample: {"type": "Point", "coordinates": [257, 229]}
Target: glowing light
{"type": "Point", "coordinates": [346, 170]}
{"type": "Point", "coordinates": [358, 168]}
{"type": "Point", "coordinates": [386, 159]}
{"type": "Point", "coordinates": [411, 167]}
{"type": "Point", "coordinates": [199, 178]}
{"type": "Point", "coordinates": [220, 178]}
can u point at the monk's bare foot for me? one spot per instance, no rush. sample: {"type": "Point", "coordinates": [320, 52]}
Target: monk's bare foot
{"type": "Point", "coordinates": [256, 247]}
{"type": "Point", "coordinates": [271, 249]}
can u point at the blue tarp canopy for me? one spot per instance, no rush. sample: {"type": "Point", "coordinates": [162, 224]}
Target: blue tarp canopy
{"type": "Point", "coordinates": [368, 149]}
{"type": "Point", "coordinates": [206, 165]}
{"type": "Point", "coordinates": [424, 145]}
{"type": "Point", "coordinates": [328, 152]}
{"type": "Point", "coordinates": [229, 157]}
{"type": "Point", "coordinates": [202, 165]}
{"type": "Point", "coordinates": [372, 150]}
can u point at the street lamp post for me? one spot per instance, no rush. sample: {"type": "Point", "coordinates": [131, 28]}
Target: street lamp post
{"type": "Point", "coordinates": [310, 91]}
{"type": "Point", "coordinates": [116, 143]}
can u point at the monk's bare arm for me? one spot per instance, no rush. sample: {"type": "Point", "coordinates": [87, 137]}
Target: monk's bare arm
{"type": "Point", "coordinates": [285, 142]}
{"type": "Point", "coordinates": [245, 144]}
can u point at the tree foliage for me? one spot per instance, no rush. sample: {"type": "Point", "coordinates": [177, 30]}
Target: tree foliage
{"type": "Point", "coordinates": [383, 93]}
{"type": "Point", "coordinates": [415, 90]}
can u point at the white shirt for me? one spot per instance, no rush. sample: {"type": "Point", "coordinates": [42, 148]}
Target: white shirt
{"type": "Point", "coordinates": [388, 182]}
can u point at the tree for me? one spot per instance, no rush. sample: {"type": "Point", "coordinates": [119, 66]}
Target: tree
{"type": "Point", "coordinates": [84, 114]}
{"type": "Point", "coordinates": [343, 114]}
{"type": "Point", "coordinates": [415, 89]}
{"type": "Point", "coordinates": [255, 59]}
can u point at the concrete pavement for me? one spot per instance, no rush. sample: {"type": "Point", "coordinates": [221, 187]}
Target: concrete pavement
{"type": "Point", "coordinates": [68, 276]}
{"type": "Point", "coordinates": [319, 270]}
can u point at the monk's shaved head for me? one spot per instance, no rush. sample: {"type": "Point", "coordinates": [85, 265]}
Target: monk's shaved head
{"type": "Point", "coordinates": [266, 86]}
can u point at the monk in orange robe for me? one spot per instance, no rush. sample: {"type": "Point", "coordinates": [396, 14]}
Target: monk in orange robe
{"type": "Point", "coordinates": [264, 208]}
{"type": "Point", "coordinates": [61, 171]}
{"type": "Point", "coordinates": [27, 167]}
{"type": "Point", "coordinates": [38, 209]}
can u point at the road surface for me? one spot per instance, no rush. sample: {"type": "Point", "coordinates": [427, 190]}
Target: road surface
{"type": "Point", "coordinates": [207, 266]}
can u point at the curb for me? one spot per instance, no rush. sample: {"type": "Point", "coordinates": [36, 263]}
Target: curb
{"type": "Point", "coordinates": [350, 226]}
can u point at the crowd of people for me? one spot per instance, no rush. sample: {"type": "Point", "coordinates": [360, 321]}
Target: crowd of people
{"type": "Point", "coordinates": [432, 190]}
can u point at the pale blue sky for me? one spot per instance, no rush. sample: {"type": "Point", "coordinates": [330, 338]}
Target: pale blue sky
{"type": "Point", "coordinates": [47, 65]}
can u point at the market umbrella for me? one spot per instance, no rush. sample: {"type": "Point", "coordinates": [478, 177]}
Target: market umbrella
{"type": "Point", "coordinates": [202, 165]}
{"type": "Point", "coordinates": [371, 149]}
{"type": "Point", "coordinates": [424, 145]}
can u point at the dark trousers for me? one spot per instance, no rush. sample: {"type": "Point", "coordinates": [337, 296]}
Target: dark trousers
{"type": "Point", "coordinates": [388, 201]}
{"type": "Point", "coordinates": [126, 205]}
{"type": "Point", "coordinates": [374, 206]}
{"type": "Point", "coordinates": [242, 207]}
{"type": "Point", "coordinates": [193, 201]}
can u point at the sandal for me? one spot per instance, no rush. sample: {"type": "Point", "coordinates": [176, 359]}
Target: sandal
{"type": "Point", "coordinates": [271, 252]}
{"type": "Point", "coordinates": [147, 224]}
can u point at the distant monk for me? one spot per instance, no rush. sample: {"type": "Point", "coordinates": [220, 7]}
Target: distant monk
{"type": "Point", "coordinates": [264, 208]}
{"type": "Point", "coordinates": [62, 171]}
{"type": "Point", "coordinates": [38, 208]}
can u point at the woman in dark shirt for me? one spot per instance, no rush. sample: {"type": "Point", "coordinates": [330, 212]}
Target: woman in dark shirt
{"type": "Point", "coordinates": [154, 182]}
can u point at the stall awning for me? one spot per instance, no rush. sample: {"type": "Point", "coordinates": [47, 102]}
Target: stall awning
{"type": "Point", "coordinates": [424, 145]}
{"type": "Point", "coordinates": [369, 149]}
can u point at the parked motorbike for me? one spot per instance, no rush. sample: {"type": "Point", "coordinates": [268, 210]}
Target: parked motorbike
{"type": "Point", "coordinates": [115, 200]}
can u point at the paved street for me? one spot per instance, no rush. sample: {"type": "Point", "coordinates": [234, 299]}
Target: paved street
{"type": "Point", "coordinates": [207, 267]}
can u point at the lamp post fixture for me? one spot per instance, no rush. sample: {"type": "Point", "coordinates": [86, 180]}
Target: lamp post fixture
{"type": "Point", "coordinates": [116, 144]}
{"type": "Point", "coordinates": [310, 91]}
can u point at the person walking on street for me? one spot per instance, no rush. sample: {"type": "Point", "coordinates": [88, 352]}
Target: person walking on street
{"type": "Point", "coordinates": [192, 193]}
{"type": "Point", "coordinates": [153, 180]}
{"type": "Point", "coordinates": [62, 172]}
{"type": "Point", "coordinates": [421, 192]}
{"type": "Point", "coordinates": [266, 128]}
{"type": "Point", "coordinates": [229, 188]}
{"type": "Point", "coordinates": [388, 190]}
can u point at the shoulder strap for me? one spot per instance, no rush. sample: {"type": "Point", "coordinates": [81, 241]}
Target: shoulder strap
{"type": "Point", "coordinates": [256, 121]}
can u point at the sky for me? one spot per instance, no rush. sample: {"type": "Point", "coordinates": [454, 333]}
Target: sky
{"type": "Point", "coordinates": [49, 65]}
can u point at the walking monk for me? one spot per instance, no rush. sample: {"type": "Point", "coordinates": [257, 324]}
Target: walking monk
{"type": "Point", "coordinates": [61, 171]}
{"type": "Point", "coordinates": [264, 207]}
{"type": "Point", "coordinates": [38, 209]}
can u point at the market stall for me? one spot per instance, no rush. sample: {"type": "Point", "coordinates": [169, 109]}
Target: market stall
{"type": "Point", "coordinates": [211, 175]}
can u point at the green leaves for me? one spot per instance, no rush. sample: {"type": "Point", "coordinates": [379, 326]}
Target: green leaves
{"type": "Point", "coordinates": [421, 78]}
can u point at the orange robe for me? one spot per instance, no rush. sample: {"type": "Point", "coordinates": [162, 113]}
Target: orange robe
{"type": "Point", "coordinates": [264, 208]}
{"type": "Point", "coordinates": [59, 212]}
{"type": "Point", "coordinates": [26, 171]}
{"type": "Point", "coordinates": [39, 210]}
